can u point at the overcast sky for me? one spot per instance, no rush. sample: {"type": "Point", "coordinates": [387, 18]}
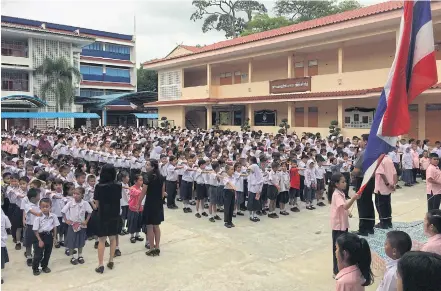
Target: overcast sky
{"type": "Point", "coordinates": [160, 25]}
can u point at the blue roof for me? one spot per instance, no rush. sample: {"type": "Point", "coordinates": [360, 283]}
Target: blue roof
{"type": "Point", "coordinates": [31, 99]}
{"type": "Point", "coordinates": [146, 115]}
{"type": "Point", "coordinates": [42, 115]}
{"type": "Point", "coordinates": [69, 28]}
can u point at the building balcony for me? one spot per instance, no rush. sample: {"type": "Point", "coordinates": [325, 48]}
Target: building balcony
{"type": "Point", "coordinates": [105, 54]}
{"type": "Point", "coordinates": [196, 92]}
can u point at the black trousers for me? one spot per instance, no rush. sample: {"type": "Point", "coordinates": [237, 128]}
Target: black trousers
{"type": "Point", "coordinates": [414, 174]}
{"type": "Point", "coordinates": [228, 205]}
{"type": "Point", "coordinates": [348, 178]}
{"type": "Point", "coordinates": [42, 255]}
{"type": "Point", "coordinates": [335, 235]}
{"type": "Point", "coordinates": [423, 174]}
{"type": "Point", "coordinates": [302, 187]}
{"type": "Point", "coordinates": [433, 201]}
{"type": "Point", "coordinates": [366, 206]}
{"type": "Point", "coordinates": [245, 194]}
{"type": "Point", "coordinates": [171, 189]}
{"type": "Point", "coordinates": [384, 209]}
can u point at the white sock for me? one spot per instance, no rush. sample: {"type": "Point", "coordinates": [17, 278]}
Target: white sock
{"type": "Point", "coordinates": [137, 234]}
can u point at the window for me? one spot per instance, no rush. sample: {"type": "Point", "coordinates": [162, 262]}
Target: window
{"type": "Point", "coordinates": [91, 70]}
{"type": "Point", "coordinates": [119, 49]}
{"type": "Point", "coordinates": [15, 48]}
{"type": "Point", "coordinates": [114, 72]}
{"type": "Point", "coordinates": [226, 79]}
{"type": "Point", "coordinates": [312, 68]}
{"type": "Point", "coordinates": [170, 85]}
{"type": "Point", "coordinates": [299, 116]}
{"type": "Point", "coordinates": [365, 119]}
{"type": "Point", "coordinates": [15, 81]}
{"type": "Point", "coordinates": [347, 119]}
{"type": "Point", "coordinates": [96, 46]}
{"type": "Point", "coordinates": [356, 117]}
{"type": "Point", "coordinates": [91, 92]}
{"type": "Point", "coordinates": [299, 70]}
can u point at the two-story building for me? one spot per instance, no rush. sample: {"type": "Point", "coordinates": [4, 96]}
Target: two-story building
{"type": "Point", "coordinates": [311, 73]}
{"type": "Point", "coordinates": [106, 60]}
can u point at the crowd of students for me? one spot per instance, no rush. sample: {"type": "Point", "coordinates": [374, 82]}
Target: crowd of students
{"type": "Point", "coordinates": [48, 181]}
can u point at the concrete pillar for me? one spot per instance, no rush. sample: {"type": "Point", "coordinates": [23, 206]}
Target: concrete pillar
{"type": "Point", "coordinates": [290, 111]}
{"type": "Point", "coordinates": [104, 118]}
{"type": "Point", "coordinates": [250, 114]}
{"type": "Point", "coordinates": [290, 67]}
{"type": "Point", "coordinates": [137, 122]}
{"type": "Point", "coordinates": [209, 80]}
{"type": "Point", "coordinates": [209, 116]}
{"type": "Point", "coordinates": [422, 118]}
{"type": "Point", "coordinates": [182, 78]}
{"type": "Point", "coordinates": [250, 70]}
{"type": "Point", "coordinates": [340, 60]}
{"type": "Point", "coordinates": [305, 116]}
{"type": "Point", "coordinates": [340, 112]}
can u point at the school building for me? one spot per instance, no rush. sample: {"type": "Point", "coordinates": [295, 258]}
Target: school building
{"type": "Point", "coordinates": [311, 73]}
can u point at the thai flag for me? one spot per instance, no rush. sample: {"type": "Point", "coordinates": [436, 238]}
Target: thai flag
{"type": "Point", "coordinates": [413, 71]}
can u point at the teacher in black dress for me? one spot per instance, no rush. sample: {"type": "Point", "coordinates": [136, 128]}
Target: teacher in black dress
{"type": "Point", "coordinates": [153, 214]}
{"type": "Point", "coordinates": [107, 198]}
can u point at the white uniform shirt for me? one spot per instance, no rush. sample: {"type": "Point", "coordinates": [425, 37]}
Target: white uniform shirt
{"type": "Point", "coordinates": [389, 282]}
{"type": "Point", "coordinates": [255, 179]}
{"type": "Point", "coordinates": [76, 212]}
{"type": "Point", "coordinates": [124, 195]}
{"type": "Point", "coordinates": [29, 216]}
{"type": "Point", "coordinates": [45, 223]}
{"type": "Point", "coordinates": [5, 224]}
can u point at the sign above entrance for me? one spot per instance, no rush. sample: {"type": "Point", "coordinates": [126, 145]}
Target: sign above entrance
{"type": "Point", "coordinates": [290, 85]}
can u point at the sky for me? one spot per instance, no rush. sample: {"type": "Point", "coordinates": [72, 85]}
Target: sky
{"type": "Point", "coordinates": [160, 24]}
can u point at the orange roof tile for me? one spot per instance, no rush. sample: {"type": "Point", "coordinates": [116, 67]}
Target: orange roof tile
{"type": "Point", "coordinates": [323, 21]}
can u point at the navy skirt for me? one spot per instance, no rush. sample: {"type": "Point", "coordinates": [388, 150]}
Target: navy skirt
{"type": "Point", "coordinates": [5, 257]}
{"type": "Point", "coordinates": [15, 216]}
{"type": "Point", "coordinates": [220, 195]}
{"type": "Point", "coordinates": [75, 240]}
{"type": "Point", "coordinates": [253, 203]}
{"type": "Point", "coordinates": [134, 221]}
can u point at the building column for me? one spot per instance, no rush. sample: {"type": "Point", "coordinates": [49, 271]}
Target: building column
{"type": "Point", "coordinates": [422, 118]}
{"type": "Point", "coordinates": [250, 114]}
{"type": "Point", "coordinates": [137, 122]}
{"type": "Point", "coordinates": [290, 66]}
{"type": "Point", "coordinates": [209, 116]}
{"type": "Point", "coordinates": [208, 80]}
{"type": "Point", "coordinates": [250, 70]}
{"type": "Point", "coordinates": [305, 116]}
{"type": "Point", "coordinates": [88, 121]}
{"type": "Point", "coordinates": [340, 112]}
{"type": "Point", "coordinates": [290, 111]}
{"type": "Point", "coordinates": [104, 118]}
{"type": "Point", "coordinates": [340, 60]}
{"type": "Point", "coordinates": [182, 78]}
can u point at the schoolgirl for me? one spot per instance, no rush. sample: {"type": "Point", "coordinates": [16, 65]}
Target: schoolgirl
{"type": "Point", "coordinates": [284, 188]}
{"type": "Point", "coordinates": [124, 178]}
{"type": "Point", "coordinates": [220, 186]}
{"type": "Point", "coordinates": [255, 185]}
{"type": "Point", "coordinates": [201, 190]}
{"type": "Point", "coordinates": [239, 176]}
{"type": "Point", "coordinates": [134, 216]}
{"type": "Point", "coordinates": [14, 194]}
{"type": "Point", "coordinates": [212, 192]}
{"type": "Point", "coordinates": [273, 189]}
{"type": "Point", "coordinates": [76, 214]}
{"type": "Point", "coordinates": [186, 188]}
{"type": "Point", "coordinates": [264, 194]}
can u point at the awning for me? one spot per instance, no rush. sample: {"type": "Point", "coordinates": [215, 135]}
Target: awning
{"type": "Point", "coordinates": [99, 102]}
{"type": "Point", "coordinates": [43, 115]}
{"type": "Point", "coordinates": [22, 100]}
{"type": "Point", "coordinates": [146, 115]}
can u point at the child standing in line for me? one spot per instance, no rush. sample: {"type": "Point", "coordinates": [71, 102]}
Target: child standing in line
{"type": "Point", "coordinates": [31, 210]}
{"type": "Point", "coordinates": [134, 216]}
{"type": "Point", "coordinates": [407, 164]}
{"type": "Point", "coordinates": [302, 168]}
{"type": "Point", "coordinates": [186, 188]}
{"type": "Point", "coordinates": [397, 244]}
{"type": "Point", "coordinates": [5, 223]}
{"type": "Point", "coordinates": [124, 202]}
{"type": "Point", "coordinates": [45, 229]}
{"type": "Point", "coordinates": [57, 205]}
{"type": "Point", "coordinates": [273, 189]}
{"type": "Point", "coordinates": [201, 190]}
{"type": "Point", "coordinates": [310, 184]}
{"type": "Point", "coordinates": [14, 213]}
{"type": "Point", "coordinates": [212, 192]}
{"type": "Point", "coordinates": [76, 214]}
{"type": "Point", "coordinates": [294, 186]}
{"type": "Point", "coordinates": [229, 195]}
{"type": "Point", "coordinates": [424, 164]}
{"type": "Point", "coordinates": [240, 196]}
{"type": "Point", "coordinates": [320, 174]}
{"type": "Point", "coordinates": [284, 187]}
{"type": "Point", "coordinates": [339, 210]}
{"type": "Point", "coordinates": [433, 184]}
{"type": "Point", "coordinates": [255, 185]}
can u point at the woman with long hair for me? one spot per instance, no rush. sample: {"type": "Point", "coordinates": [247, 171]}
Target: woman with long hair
{"type": "Point", "coordinates": [153, 213]}
{"type": "Point", "coordinates": [107, 199]}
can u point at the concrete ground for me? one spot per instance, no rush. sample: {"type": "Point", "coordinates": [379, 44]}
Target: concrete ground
{"type": "Point", "coordinates": [289, 253]}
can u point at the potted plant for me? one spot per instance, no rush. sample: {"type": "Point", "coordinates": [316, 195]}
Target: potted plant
{"type": "Point", "coordinates": [284, 126]}
{"type": "Point", "coordinates": [246, 125]}
{"type": "Point", "coordinates": [164, 122]}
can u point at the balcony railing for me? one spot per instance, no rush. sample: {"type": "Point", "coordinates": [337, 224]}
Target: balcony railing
{"type": "Point", "coordinates": [14, 50]}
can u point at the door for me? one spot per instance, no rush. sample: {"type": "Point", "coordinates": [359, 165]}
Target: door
{"type": "Point", "coordinates": [312, 116]}
{"type": "Point", "coordinates": [413, 113]}
{"type": "Point", "coordinates": [299, 117]}
{"type": "Point", "coordinates": [433, 129]}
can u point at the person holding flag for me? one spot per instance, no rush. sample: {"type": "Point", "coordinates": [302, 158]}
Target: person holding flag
{"type": "Point", "coordinates": [413, 71]}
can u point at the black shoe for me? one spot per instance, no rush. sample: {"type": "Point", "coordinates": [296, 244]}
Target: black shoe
{"type": "Point", "coordinates": [253, 219]}
{"type": "Point", "coordinates": [271, 215]}
{"type": "Point", "coordinates": [284, 212]}
{"type": "Point", "coordinates": [198, 215]}
{"type": "Point", "coordinates": [107, 245]}
{"type": "Point", "coordinates": [138, 238]}
{"type": "Point", "coordinates": [18, 246]}
{"type": "Point", "coordinates": [36, 272]}
{"type": "Point", "coordinates": [257, 218]}
{"type": "Point", "coordinates": [220, 210]}
{"type": "Point", "coordinates": [80, 260]}
{"type": "Point", "coordinates": [217, 217]}
{"type": "Point", "coordinates": [192, 203]}
{"type": "Point", "coordinates": [206, 206]}
{"type": "Point", "coordinates": [3, 281]}
{"type": "Point", "coordinates": [275, 215]}
{"type": "Point", "coordinates": [100, 269]}
{"type": "Point", "coordinates": [133, 240]}
{"type": "Point", "coordinates": [211, 219]}
{"type": "Point", "coordinates": [185, 210]}
{"type": "Point", "coordinates": [263, 212]}
{"type": "Point", "coordinates": [57, 245]}
{"type": "Point", "coordinates": [227, 225]}
{"type": "Point", "coordinates": [151, 253]}
{"type": "Point", "coordinates": [29, 262]}
{"type": "Point", "coordinates": [74, 261]}
{"type": "Point", "coordinates": [175, 206]}
{"type": "Point", "coordinates": [110, 265]}
{"type": "Point", "coordinates": [46, 270]}
{"type": "Point", "coordinates": [96, 245]}
{"type": "Point", "coordinates": [309, 208]}
{"type": "Point", "coordinates": [240, 213]}
{"type": "Point", "coordinates": [360, 233]}
{"type": "Point", "coordinates": [232, 225]}
{"type": "Point", "coordinates": [243, 209]}
{"type": "Point", "coordinates": [62, 243]}
{"type": "Point", "coordinates": [321, 204]}
{"type": "Point", "coordinates": [295, 209]}
{"type": "Point", "coordinates": [204, 214]}
{"type": "Point", "coordinates": [179, 199]}
{"type": "Point", "coordinates": [398, 187]}
{"type": "Point", "coordinates": [380, 225]}
{"type": "Point", "coordinates": [313, 207]}
{"type": "Point", "coordinates": [189, 210]}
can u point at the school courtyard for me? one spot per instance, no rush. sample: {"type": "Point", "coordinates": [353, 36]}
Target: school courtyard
{"type": "Point", "coordinates": [289, 253]}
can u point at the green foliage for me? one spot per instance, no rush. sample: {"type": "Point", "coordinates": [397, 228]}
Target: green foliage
{"type": "Point", "coordinates": [246, 125]}
{"type": "Point", "coordinates": [60, 77]}
{"type": "Point", "coordinates": [284, 126]}
{"type": "Point", "coordinates": [227, 16]}
{"type": "Point", "coordinates": [147, 80]}
{"type": "Point", "coordinates": [164, 122]}
{"type": "Point", "coordinates": [299, 11]}
{"type": "Point", "coordinates": [263, 22]}
{"type": "Point", "coordinates": [334, 130]}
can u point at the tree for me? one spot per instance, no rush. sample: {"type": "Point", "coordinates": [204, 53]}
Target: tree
{"type": "Point", "coordinates": [147, 80]}
{"type": "Point", "coordinates": [284, 126]}
{"type": "Point", "coordinates": [226, 15]}
{"type": "Point", "coordinates": [164, 122]}
{"type": "Point", "coordinates": [246, 125]}
{"type": "Point", "coordinates": [60, 77]}
{"type": "Point", "coordinates": [263, 22]}
{"type": "Point", "coordinates": [299, 11]}
{"type": "Point", "coordinates": [334, 130]}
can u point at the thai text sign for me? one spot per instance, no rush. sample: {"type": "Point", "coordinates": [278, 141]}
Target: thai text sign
{"type": "Point", "coordinates": [290, 85]}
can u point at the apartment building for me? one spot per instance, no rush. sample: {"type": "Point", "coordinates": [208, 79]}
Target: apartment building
{"type": "Point", "coordinates": [106, 61]}
{"type": "Point", "coordinates": [311, 73]}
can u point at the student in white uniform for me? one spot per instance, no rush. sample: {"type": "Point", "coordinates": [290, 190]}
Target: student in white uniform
{"type": "Point", "coordinates": [5, 223]}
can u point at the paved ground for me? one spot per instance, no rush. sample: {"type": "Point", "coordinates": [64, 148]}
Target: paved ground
{"type": "Point", "coordinates": [290, 253]}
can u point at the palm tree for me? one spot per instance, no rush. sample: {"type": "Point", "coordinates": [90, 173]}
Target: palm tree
{"type": "Point", "coordinates": [59, 80]}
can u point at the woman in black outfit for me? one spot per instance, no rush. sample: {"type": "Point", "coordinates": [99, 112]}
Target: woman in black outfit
{"type": "Point", "coordinates": [153, 214]}
{"type": "Point", "coordinates": [107, 198]}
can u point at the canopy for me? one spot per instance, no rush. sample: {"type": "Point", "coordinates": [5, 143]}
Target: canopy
{"type": "Point", "coordinates": [43, 115]}
{"type": "Point", "coordinates": [98, 102]}
{"type": "Point", "coordinates": [22, 101]}
{"type": "Point", "coordinates": [146, 115]}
